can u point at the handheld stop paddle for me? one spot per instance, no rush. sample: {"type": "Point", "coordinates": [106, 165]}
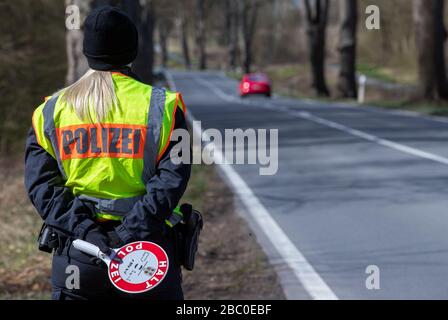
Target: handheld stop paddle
{"type": "Point", "coordinates": [134, 268]}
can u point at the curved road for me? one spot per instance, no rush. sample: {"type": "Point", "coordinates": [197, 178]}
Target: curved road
{"type": "Point", "coordinates": [355, 186]}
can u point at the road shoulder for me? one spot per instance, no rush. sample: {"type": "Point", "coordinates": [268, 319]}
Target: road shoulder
{"type": "Point", "coordinates": [230, 262]}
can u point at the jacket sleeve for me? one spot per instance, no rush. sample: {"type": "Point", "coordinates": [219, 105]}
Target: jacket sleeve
{"type": "Point", "coordinates": [54, 202]}
{"type": "Point", "coordinates": [163, 192]}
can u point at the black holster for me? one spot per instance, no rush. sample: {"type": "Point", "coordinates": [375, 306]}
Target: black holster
{"type": "Point", "coordinates": [48, 239]}
{"type": "Point", "coordinates": [187, 236]}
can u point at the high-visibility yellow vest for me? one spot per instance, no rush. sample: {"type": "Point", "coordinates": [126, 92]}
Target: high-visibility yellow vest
{"type": "Point", "coordinates": [108, 163]}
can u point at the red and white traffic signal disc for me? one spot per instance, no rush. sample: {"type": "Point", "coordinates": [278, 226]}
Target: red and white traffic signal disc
{"type": "Point", "coordinates": [144, 266]}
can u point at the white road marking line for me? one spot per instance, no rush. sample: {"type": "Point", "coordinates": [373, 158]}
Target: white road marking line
{"type": "Point", "coordinates": [302, 269]}
{"type": "Point", "coordinates": [340, 105]}
{"type": "Point", "coordinates": [373, 138]}
{"type": "Point", "coordinates": [373, 109]}
{"type": "Point", "coordinates": [224, 96]}
{"type": "Point", "coordinates": [305, 273]}
{"type": "Point", "coordinates": [312, 282]}
{"type": "Point", "coordinates": [328, 123]}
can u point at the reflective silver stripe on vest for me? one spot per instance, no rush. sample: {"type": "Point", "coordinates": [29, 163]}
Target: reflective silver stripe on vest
{"type": "Point", "coordinates": [50, 130]}
{"type": "Point", "coordinates": [155, 121]}
{"type": "Point", "coordinates": [118, 207]}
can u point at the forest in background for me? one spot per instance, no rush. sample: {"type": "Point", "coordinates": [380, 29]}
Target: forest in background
{"type": "Point", "coordinates": [38, 55]}
{"type": "Point", "coordinates": [32, 64]}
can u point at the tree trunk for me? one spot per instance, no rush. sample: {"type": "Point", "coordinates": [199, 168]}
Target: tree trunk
{"type": "Point", "coordinates": [184, 35]}
{"type": "Point", "coordinates": [439, 49]}
{"type": "Point", "coordinates": [276, 26]}
{"type": "Point", "coordinates": [347, 49]}
{"type": "Point", "coordinates": [225, 32]}
{"type": "Point", "coordinates": [232, 27]}
{"type": "Point", "coordinates": [76, 61]}
{"type": "Point", "coordinates": [142, 13]}
{"type": "Point", "coordinates": [249, 18]}
{"type": "Point", "coordinates": [164, 31]}
{"type": "Point", "coordinates": [317, 17]}
{"type": "Point", "coordinates": [200, 33]}
{"type": "Point", "coordinates": [423, 12]}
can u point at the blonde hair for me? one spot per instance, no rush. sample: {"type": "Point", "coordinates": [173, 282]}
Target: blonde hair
{"type": "Point", "coordinates": [92, 96]}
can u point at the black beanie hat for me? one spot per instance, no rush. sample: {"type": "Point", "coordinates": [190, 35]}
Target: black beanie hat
{"type": "Point", "coordinates": [110, 39]}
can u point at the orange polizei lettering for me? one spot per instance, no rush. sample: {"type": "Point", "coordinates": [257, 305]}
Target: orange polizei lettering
{"type": "Point", "coordinates": [101, 141]}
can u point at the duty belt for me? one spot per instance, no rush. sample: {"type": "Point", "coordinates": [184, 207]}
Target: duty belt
{"type": "Point", "coordinates": [116, 209]}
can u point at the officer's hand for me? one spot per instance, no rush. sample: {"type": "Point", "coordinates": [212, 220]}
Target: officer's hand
{"type": "Point", "coordinates": [98, 237]}
{"type": "Point", "coordinates": [114, 239]}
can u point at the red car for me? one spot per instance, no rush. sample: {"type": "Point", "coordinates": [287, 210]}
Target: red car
{"type": "Point", "coordinates": [255, 83]}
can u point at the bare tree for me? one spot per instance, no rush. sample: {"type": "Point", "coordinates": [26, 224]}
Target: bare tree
{"type": "Point", "coordinates": [424, 26]}
{"type": "Point", "coordinates": [347, 48]}
{"type": "Point", "coordinates": [200, 33]}
{"type": "Point", "coordinates": [231, 31]}
{"type": "Point", "coordinates": [248, 23]}
{"type": "Point", "coordinates": [430, 36]}
{"type": "Point", "coordinates": [424, 35]}
{"type": "Point", "coordinates": [276, 25]}
{"type": "Point", "coordinates": [440, 36]}
{"type": "Point", "coordinates": [225, 34]}
{"type": "Point", "coordinates": [142, 13]}
{"type": "Point", "coordinates": [164, 28]}
{"type": "Point", "coordinates": [183, 31]}
{"type": "Point", "coordinates": [316, 13]}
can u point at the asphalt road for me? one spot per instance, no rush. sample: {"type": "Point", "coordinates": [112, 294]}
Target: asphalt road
{"type": "Point", "coordinates": [355, 186]}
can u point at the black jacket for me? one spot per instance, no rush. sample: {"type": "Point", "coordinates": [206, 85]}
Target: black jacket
{"type": "Point", "coordinates": [60, 209]}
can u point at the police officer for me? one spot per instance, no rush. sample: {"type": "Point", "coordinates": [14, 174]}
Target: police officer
{"type": "Point", "coordinates": [98, 164]}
